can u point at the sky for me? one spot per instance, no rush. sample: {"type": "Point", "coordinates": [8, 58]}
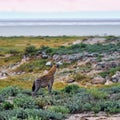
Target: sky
{"type": "Point", "coordinates": [33, 9]}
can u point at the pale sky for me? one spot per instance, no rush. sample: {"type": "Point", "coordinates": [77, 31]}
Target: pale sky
{"type": "Point", "coordinates": [24, 8]}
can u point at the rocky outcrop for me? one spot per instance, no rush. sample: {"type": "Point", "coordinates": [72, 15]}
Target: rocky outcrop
{"type": "Point", "coordinates": [70, 81]}
{"type": "Point", "coordinates": [116, 77]}
{"type": "Point", "coordinates": [98, 80]}
{"type": "Point", "coordinates": [106, 65]}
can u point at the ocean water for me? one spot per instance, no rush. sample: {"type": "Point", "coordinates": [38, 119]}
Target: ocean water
{"type": "Point", "coordinates": [59, 28]}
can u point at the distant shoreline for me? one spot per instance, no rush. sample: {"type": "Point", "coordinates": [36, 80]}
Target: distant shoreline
{"type": "Point", "coordinates": [80, 27]}
{"type": "Point", "coordinates": [59, 20]}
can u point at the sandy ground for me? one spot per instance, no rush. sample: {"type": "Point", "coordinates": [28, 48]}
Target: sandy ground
{"type": "Point", "coordinates": [91, 116]}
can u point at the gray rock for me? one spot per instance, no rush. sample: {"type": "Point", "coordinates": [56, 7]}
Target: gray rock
{"type": "Point", "coordinates": [49, 63]}
{"type": "Point", "coordinates": [59, 63]}
{"type": "Point", "coordinates": [116, 77]}
{"type": "Point", "coordinates": [98, 80]}
{"type": "Point", "coordinates": [44, 56]}
{"type": "Point", "coordinates": [70, 81]}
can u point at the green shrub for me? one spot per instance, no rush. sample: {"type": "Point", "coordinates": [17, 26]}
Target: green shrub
{"type": "Point", "coordinates": [24, 102]}
{"type": "Point", "coordinates": [112, 106]}
{"type": "Point", "coordinates": [71, 88]}
{"type": "Point", "coordinates": [2, 99]}
{"type": "Point", "coordinates": [7, 105]}
{"type": "Point", "coordinates": [30, 50]}
{"type": "Point", "coordinates": [34, 118]}
{"type": "Point", "coordinates": [1, 107]}
{"type": "Point", "coordinates": [9, 91]}
{"type": "Point", "coordinates": [96, 108]}
{"type": "Point", "coordinates": [22, 114]}
{"type": "Point", "coordinates": [42, 102]}
{"type": "Point", "coordinates": [45, 114]}
{"type": "Point", "coordinates": [3, 116]}
{"type": "Point", "coordinates": [35, 65]}
{"type": "Point", "coordinates": [75, 106]}
{"type": "Point", "coordinates": [87, 107]}
{"type": "Point", "coordinates": [13, 51]}
{"type": "Point", "coordinates": [97, 94]}
{"type": "Point", "coordinates": [59, 109]}
{"type": "Point", "coordinates": [114, 89]}
{"type": "Point", "coordinates": [79, 77]}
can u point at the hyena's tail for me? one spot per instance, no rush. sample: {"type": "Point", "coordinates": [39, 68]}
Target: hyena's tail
{"type": "Point", "coordinates": [33, 87]}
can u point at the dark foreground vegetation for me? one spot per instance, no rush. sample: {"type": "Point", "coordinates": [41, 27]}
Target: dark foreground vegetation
{"type": "Point", "coordinates": [17, 104]}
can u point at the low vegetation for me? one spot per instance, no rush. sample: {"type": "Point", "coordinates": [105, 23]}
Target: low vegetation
{"type": "Point", "coordinates": [16, 102]}
{"type": "Point", "coordinates": [19, 104]}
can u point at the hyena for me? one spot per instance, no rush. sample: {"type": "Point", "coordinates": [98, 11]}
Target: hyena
{"type": "Point", "coordinates": [44, 81]}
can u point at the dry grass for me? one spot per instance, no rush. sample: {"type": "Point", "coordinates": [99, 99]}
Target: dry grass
{"type": "Point", "coordinates": [59, 85]}
{"type": "Point", "coordinates": [19, 43]}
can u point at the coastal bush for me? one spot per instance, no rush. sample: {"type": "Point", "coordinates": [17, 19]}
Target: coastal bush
{"type": "Point", "coordinates": [41, 102]}
{"type": "Point", "coordinates": [14, 51]}
{"type": "Point", "coordinates": [96, 108]}
{"type": "Point", "coordinates": [87, 107]}
{"type": "Point", "coordinates": [2, 116]}
{"type": "Point", "coordinates": [71, 88]}
{"type": "Point", "coordinates": [45, 114]}
{"type": "Point", "coordinates": [111, 38]}
{"type": "Point", "coordinates": [74, 104]}
{"type": "Point", "coordinates": [109, 106]}
{"type": "Point", "coordinates": [16, 114]}
{"type": "Point", "coordinates": [9, 91]}
{"type": "Point", "coordinates": [33, 66]}
{"type": "Point", "coordinates": [7, 105]}
{"type": "Point", "coordinates": [22, 114]}
{"type": "Point", "coordinates": [2, 98]}
{"type": "Point", "coordinates": [97, 94]}
{"type": "Point", "coordinates": [30, 50]}
{"type": "Point", "coordinates": [113, 89]}
{"type": "Point", "coordinates": [59, 109]}
{"type": "Point", "coordinates": [47, 50]}
{"type": "Point", "coordinates": [1, 107]}
{"type": "Point", "coordinates": [24, 102]}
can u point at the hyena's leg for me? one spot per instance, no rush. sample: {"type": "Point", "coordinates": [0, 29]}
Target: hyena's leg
{"type": "Point", "coordinates": [37, 87]}
{"type": "Point", "coordinates": [49, 88]}
{"type": "Point", "coordinates": [50, 85]}
{"type": "Point", "coordinates": [35, 91]}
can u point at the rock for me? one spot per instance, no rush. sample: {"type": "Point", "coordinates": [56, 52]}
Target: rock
{"type": "Point", "coordinates": [108, 82]}
{"type": "Point", "coordinates": [59, 63]}
{"type": "Point", "coordinates": [77, 42]}
{"type": "Point", "coordinates": [56, 57]}
{"type": "Point", "coordinates": [44, 56]}
{"type": "Point", "coordinates": [116, 77]}
{"type": "Point", "coordinates": [115, 97]}
{"type": "Point", "coordinates": [98, 80]}
{"type": "Point", "coordinates": [38, 52]}
{"type": "Point", "coordinates": [70, 81]}
{"type": "Point", "coordinates": [49, 63]}
{"type": "Point", "coordinates": [106, 65]}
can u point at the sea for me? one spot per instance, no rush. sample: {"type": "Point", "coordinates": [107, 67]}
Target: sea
{"type": "Point", "coordinates": [60, 27]}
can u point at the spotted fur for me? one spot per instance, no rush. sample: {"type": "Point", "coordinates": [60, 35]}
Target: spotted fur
{"type": "Point", "coordinates": [44, 81]}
